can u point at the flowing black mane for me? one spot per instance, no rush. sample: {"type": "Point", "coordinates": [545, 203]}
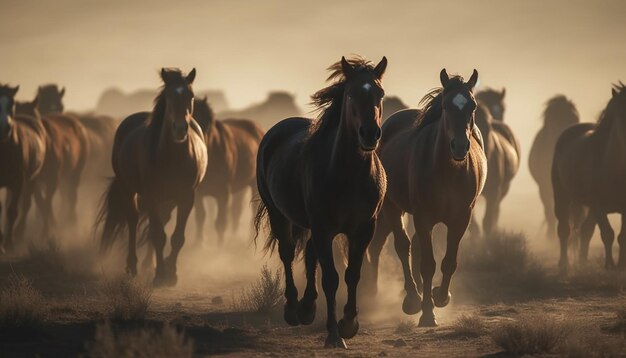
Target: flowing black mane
{"type": "Point", "coordinates": [203, 114]}
{"type": "Point", "coordinates": [328, 101]}
{"type": "Point", "coordinates": [560, 110]}
{"type": "Point", "coordinates": [608, 115]}
{"type": "Point", "coordinates": [432, 102]}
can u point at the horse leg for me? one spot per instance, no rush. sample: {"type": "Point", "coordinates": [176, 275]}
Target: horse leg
{"type": "Point", "coordinates": [157, 237]}
{"type": "Point", "coordinates": [586, 231]}
{"type": "Point", "coordinates": [222, 215]}
{"type": "Point", "coordinates": [608, 236]}
{"type": "Point", "coordinates": [403, 246]}
{"type": "Point", "coordinates": [492, 213]}
{"type": "Point", "coordinates": [621, 239]}
{"type": "Point", "coordinates": [358, 242]}
{"type": "Point", "coordinates": [474, 230]}
{"type": "Point", "coordinates": [562, 208]}
{"type": "Point", "coordinates": [20, 226]}
{"type": "Point", "coordinates": [307, 306]}
{"type": "Point", "coordinates": [441, 295]}
{"type": "Point", "coordinates": [178, 237]}
{"type": "Point", "coordinates": [370, 284]}
{"type": "Point", "coordinates": [200, 218]}
{"type": "Point", "coordinates": [547, 199]}
{"type": "Point", "coordinates": [131, 260]}
{"type": "Point", "coordinates": [323, 242]}
{"type": "Point", "coordinates": [427, 270]}
{"type": "Point", "coordinates": [13, 196]}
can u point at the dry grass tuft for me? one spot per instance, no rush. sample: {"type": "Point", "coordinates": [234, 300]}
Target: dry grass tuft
{"type": "Point", "coordinates": [263, 296]}
{"type": "Point", "coordinates": [141, 343]}
{"type": "Point", "coordinates": [502, 251]}
{"type": "Point", "coordinates": [127, 299]}
{"type": "Point", "coordinates": [595, 344]}
{"type": "Point", "coordinates": [406, 326]}
{"type": "Point", "coordinates": [47, 257]}
{"type": "Point", "coordinates": [21, 305]}
{"type": "Point", "coordinates": [531, 334]}
{"type": "Point", "coordinates": [469, 326]}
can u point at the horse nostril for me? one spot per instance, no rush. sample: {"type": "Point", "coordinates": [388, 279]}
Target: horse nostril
{"type": "Point", "coordinates": [379, 133]}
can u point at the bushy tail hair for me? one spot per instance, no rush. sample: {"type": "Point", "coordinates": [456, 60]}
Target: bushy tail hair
{"type": "Point", "coordinates": [261, 223]}
{"type": "Point", "coordinates": [117, 204]}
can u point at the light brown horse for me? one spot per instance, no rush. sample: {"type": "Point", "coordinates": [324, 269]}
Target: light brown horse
{"type": "Point", "coordinates": [100, 134]}
{"type": "Point", "coordinates": [494, 101]}
{"type": "Point", "coordinates": [22, 152]}
{"type": "Point", "coordinates": [503, 159]}
{"type": "Point", "coordinates": [589, 169]}
{"type": "Point", "coordinates": [159, 158]}
{"type": "Point", "coordinates": [66, 157]}
{"type": "Point", "coordinates": [232, 147]}
{"type": "Point", "coordinates": [324, 176]}
{"type": "Point", "coordinates": [436, 168]}
{"type": "Point", "coordinates": [559, 114]}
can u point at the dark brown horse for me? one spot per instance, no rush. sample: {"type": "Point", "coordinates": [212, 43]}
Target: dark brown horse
{"type": "Point", "coordinates": [66, 157]}
{"type": "Point", "coordinates": [589, 169]}
{"type": "Point", "coordinates": [494, 101]}
{"type": "Point", "coordinates": [232, 148]}
{"type": "Point", "coordinates": [159, 158]}
{"type": "Point", "coordinates": [559, 114]}
{"type": "Point", "coordinates": [324, 176]}
{"type": "Point", "coordinates": [503, 157]}
{"type": "Point", "coordinates": [436, 168]}
{"type": "Point", "coordinates": [22, 152]}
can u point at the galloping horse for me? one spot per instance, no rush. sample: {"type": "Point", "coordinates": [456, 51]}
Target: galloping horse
{"type": "Point", "coordinates": [494, 101]}
{"type": "Point", "coordinates": [503, 159]}
{"type": "Point", "coordinates": [589, 169]}
{"type": "Point", "coordinates": [67, 154]}
{"type": "Point", "coordinates": [436, 168]}
{"type": "Point", "coordinates": [232, 148]}
{"type": "Point", "coordinates": [324, 176]}
{"type": "Point", "coordinates": [559, 114]}
{"type": "Point", "coordinates": [159, 158]}
{"type": "Point", "coordinates": [22, 152]}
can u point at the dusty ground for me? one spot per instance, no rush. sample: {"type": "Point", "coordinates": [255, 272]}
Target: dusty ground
{"type": "Point", "coordinates": [71, 279]}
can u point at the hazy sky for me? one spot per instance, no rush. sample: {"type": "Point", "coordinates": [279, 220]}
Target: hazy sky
{"type": "Point", "coordinates": [536, 48]}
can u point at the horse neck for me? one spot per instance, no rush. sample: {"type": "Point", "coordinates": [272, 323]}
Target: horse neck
{"type": "Point", "coordinates": [615, 143]}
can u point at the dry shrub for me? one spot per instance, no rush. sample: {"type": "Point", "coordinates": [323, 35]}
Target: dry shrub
{"type": "Point", "coordinates": [127, 299]}
{"type": "Point", "coordinates": [21, 305]}
{"type": "Point", "coordinates": [469, 326]}
{"type": "Point", "coordinates": [531, 334]}
{"type": "Point", "coordinates": [594, 344]}
{"type": "Point", "coordinates": [502, 251]}
{"type": "Point", "coordinates": [263, 296]}
{"type": "Point", "coordinates": [141, 343]}
{"type": "Point", "coordinates": [47, 257]}
{"type": "Point", "coordinates": [406, 326]}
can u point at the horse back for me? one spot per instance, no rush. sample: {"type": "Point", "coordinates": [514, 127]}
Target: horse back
{"type": "Point", "coordinates": [247, 136]}
{"type": "Point", "coordinates": [70, 139]}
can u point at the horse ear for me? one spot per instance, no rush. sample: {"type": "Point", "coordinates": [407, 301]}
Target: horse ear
{"type": "Point", "coordinates": [613, 92]}
{"type": "Point", "coordinates": [164, 75]}
{"type": "Point", "coordinates": [379, 70]}
{"type": "Point", "coordinates": [444, 78]}
{"type": "Point", "coordinates": [191, 76]}
{"type": "Point", "coordinates": [14, 90]}
{"type": "Point", "coordinates": [35, 101]}
{"type": "Point", "coordinates": [346, 67]}
{"type": "Point", "coordinates": [473, 80]}
{"type": "Point", "coordinates": [503, 93]}
{"type": "Point", "coordinates": [62, 93]}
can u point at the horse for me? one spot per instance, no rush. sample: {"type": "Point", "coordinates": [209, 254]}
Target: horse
{"type": "Point", "coordinates": [158, 158]}
{"type": "Point", "coordinates": [436, 169]}
{"type": "Point", "coordinates": [279, 104]}
{"type": "Point", "coordinates": [391, 105]}
{"type": "Point", "coordinates": [323, 176]}
{"type": "Point", "coordinates": [589, 169]}
{"type": "Point", "coordinates": [67, 155]}
{"type": "Point", "coordinates": [232, 148]}
{"type": "Point", "coordinates": [100, 133]}
{"type": "Point", "coordinates": [559, 114]}
{"type": "Point", "coordinates": [22, 153]}
{"type": "Point", "coordinates": [503, 157]}
{"type": "Point", "coordinates": [494, 101]}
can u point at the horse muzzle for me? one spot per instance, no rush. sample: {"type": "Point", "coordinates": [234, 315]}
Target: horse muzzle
{"type": "Point", "coordinates": [459, 148]}
{"type": "Point", "coordinates": [180, 131]}
{"type": "Point", "coordinates": [369, 138]}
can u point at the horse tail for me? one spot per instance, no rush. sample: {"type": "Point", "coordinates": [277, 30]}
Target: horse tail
{"type": "Point", "coordinates": [115, 208]}
{"type": "Point", "coordinates": [261, 223]}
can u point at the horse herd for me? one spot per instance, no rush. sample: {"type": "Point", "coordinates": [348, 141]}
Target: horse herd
{"type": "Point", "coordinates": [346, 172]}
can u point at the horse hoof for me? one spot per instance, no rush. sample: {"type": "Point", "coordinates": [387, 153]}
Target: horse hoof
{"type": "Point", "coordinates": [348, 328]}
{"type": "Point", "coordinates": [131, 270]}
{"type": "Point", "coordinates": [335, 342]}
{"type": "Point", "coordinates": [306, 313]}
{"type": "Point", "coordinates": [412, 304]}
{"type": "Point", "coordinates": [439, 298]}
{"type": "Point", "coordinates": [159, 281]}
{"type": "Point", "coordinates": [291, 315]}
{"type": "Point", "coordinates": [427, 321]}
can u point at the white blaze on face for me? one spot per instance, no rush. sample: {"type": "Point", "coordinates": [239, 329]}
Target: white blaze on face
{"type": "Point", "coordinates": [459, 101]}
{"type": "Point", "coordinates": [180, 90]}
{"type": "Point", "coordinates": [367, 87]}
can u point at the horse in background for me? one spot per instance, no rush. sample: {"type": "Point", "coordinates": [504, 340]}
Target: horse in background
{"type": "Point", "coordinates": [436, 168]}
{"type": "Point", "coordinates": [232, 146]}
{"type": "Point", "coordinates": [159, 158]}
{"type": "Point", "coordinates": [494, 101]}
{"type": "Point", "coordinates": [278, 104]}
{"type": "Point", "coordinates": [324, 176]}
{"type": "Point", "coordinates": [391, 105]}
{"type": "Point", "coordinates": [589, 170]}
{"type": "Point", "coordinates": [559, 114]}
{"type": "Point", "coordinates": [22, 153]}
{"type": "Point", "coordinates": [503, 160]}
{"type": "Point", "coordinates": [67, 155]}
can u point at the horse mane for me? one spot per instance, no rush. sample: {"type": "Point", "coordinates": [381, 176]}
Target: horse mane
{"type": "Point", "coordinates": [203, 114]}
{"type": "Point", "coordinates": [431, 103]}
{"type": "Point", "coordinates": [328, 101]}
{"type": "Point", "coordinates": [605, 121]}
{"type": "Point", "coordinates": [560, 110]}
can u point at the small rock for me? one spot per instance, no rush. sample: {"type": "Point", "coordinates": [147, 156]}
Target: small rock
{"type": "Point", "coordinates": [217, 300]}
